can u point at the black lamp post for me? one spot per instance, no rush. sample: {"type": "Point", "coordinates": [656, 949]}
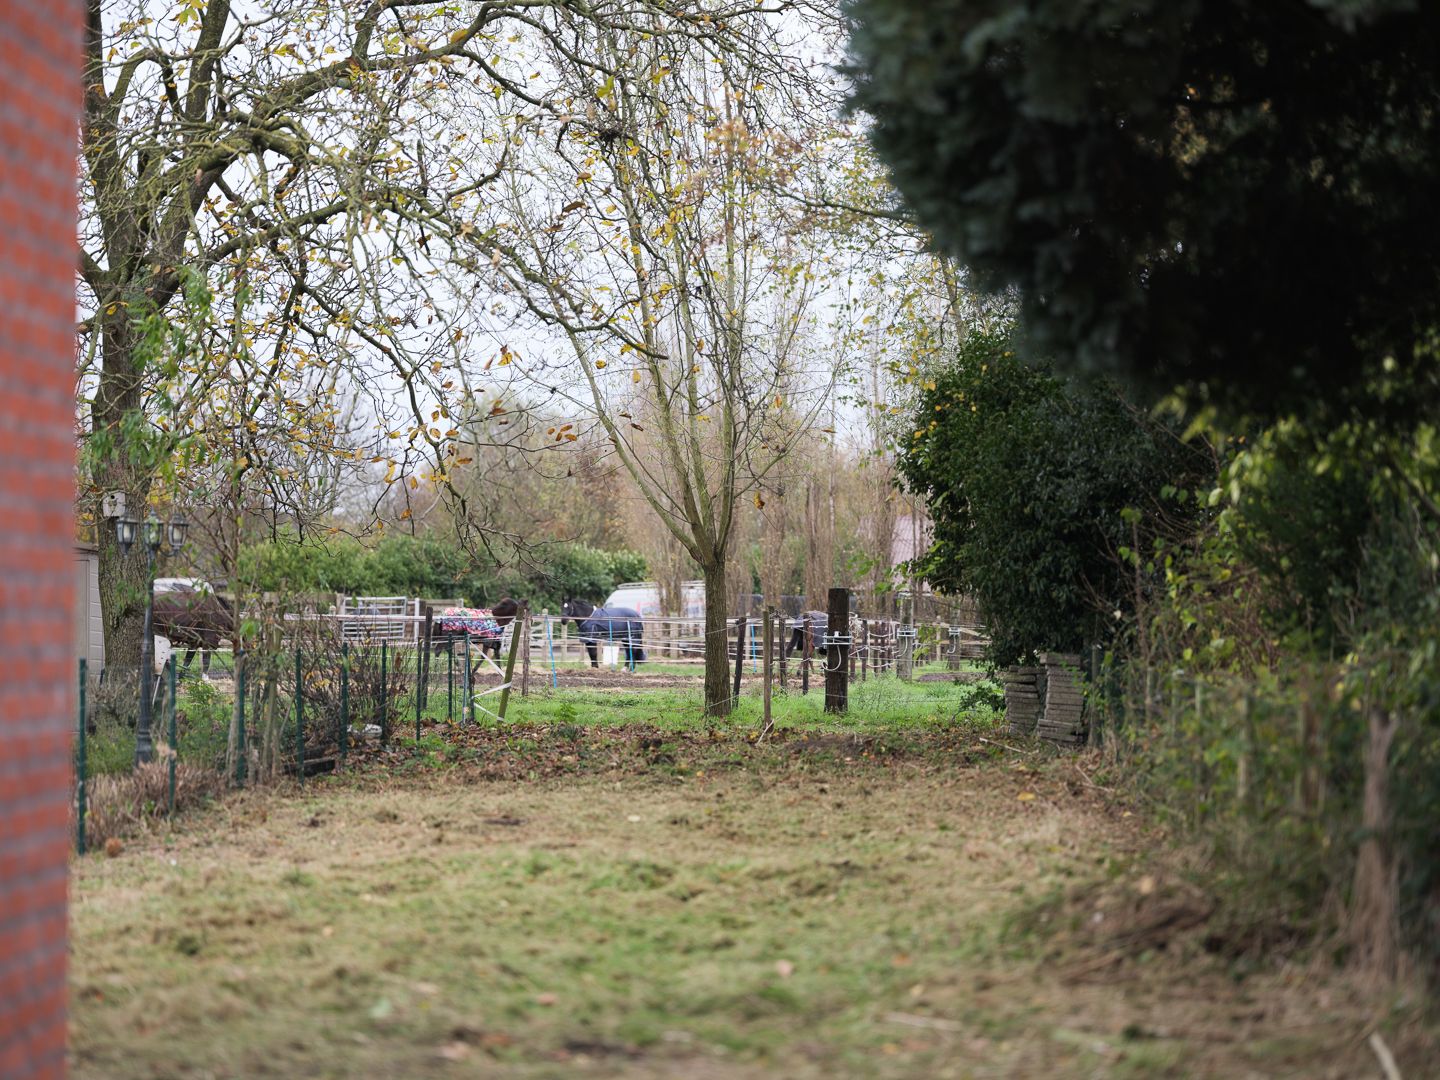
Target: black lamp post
{"type": "Point", "coordinates": [125, 529]}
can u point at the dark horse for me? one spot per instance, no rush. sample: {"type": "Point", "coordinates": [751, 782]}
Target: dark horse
{"type": "Point", "coordinates": [197, 619]}
{"type": "Point", "coordinates": [819, 623]}
{"type": "Point", "coordinates": [608, 624]}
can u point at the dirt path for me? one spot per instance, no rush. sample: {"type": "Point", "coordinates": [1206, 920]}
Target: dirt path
{"type": "Point", "coordinates": [808, 913]}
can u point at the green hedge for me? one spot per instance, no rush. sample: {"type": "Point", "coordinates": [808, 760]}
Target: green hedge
{"type": "Point", "coordinates": [406, 565]}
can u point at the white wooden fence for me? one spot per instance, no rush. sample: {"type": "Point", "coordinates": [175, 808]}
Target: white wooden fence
{"type": "Point", "coordinates": [668, 639]}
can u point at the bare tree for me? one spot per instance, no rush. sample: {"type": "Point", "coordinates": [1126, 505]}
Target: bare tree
{"type": "Point", "coordinates": [317, 169]}
{"type": "Point", "coordinates": [645, 231]}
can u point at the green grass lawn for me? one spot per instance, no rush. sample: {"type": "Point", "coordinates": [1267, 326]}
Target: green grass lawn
{"type": "Point", "coordinates": [882, 703]}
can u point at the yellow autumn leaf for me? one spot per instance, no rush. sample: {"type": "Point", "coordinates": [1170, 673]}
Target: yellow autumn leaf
{"type": "Point", "coordinates": [1026, 796]}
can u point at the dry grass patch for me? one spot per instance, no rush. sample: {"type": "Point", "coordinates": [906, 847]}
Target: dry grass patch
{"type": "Point", "coordinates": [130, 804]}
{"type": "Point", "coordinates": [775, 912]}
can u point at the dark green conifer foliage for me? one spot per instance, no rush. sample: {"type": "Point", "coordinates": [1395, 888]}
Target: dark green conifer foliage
{"type": "Point", "coordinates": [1239, 195]}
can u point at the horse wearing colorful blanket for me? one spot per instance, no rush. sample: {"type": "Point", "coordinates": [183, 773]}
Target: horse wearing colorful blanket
{"type": "Point", "coordinates": [483, 626]}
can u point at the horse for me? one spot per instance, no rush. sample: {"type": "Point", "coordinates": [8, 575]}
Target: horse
{"type": "Point", "coordinates": [484, 626]}
{"type": "Point", "coordinates": [195, 618]}
{"type": "Point", "coordinates": [819, 623]}
{"type": "Point", "coordinates": [607, 624]}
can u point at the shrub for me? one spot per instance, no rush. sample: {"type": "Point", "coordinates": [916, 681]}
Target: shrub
{"type": "Point", "coordinates": [1028, 480]}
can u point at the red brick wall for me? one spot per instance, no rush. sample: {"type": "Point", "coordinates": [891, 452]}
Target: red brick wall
{"type": "Point", "coordinates": [39, 103]}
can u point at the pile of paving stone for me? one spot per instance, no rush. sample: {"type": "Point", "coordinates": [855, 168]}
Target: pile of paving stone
{"type": "Point", "coordinates": [1047, 700]}
{"type": "Point", "coordinates": [1022, 698]}
{"type": "Point", "coordinates": [1062, 718]}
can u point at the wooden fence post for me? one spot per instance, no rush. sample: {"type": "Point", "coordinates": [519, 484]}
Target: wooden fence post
{"type": "Point", "coordinates": [783, 632]}
{"type": "Point", "coordinates": [837, 652]}
{"type": "Point", "coordinates": [807, 647]}
{"type": "Point", "coordinates": [515, 625]}
{"type": "Point", "coordinates": [905, 642]}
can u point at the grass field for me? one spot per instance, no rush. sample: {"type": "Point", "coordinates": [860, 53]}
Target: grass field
{"type": "Point", "coordinates": [617, 888]}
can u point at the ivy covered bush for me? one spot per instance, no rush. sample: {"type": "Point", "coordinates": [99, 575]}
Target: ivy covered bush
{"type": "Point", "coordinates": [1038, 490]}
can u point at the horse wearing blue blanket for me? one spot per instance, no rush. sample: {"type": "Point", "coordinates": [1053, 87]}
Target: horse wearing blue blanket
{"type": "Point", "coordinates": [618, 624]}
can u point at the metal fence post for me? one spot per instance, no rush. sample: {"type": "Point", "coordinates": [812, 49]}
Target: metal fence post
{"type": "Point", "coordinates": [174, 734]}
{"type": "Point", "coordinates": [769, 642]}
{"type": "Point", "coordinates": [422, 665]}
{"type": "Point", "coordinates": [419, 695]}
{"type": "Point", "coordinates": [344, 733]}
{"type": "Point", "coordinates": [465, 707]}
{"type": "Point", "coordinates": [299, 721]}
{"type": "Point", "coordinates": [384, 695]}
{"type": "Point", "coordinates": [550, 648]}
{"type": "Point", "coordinates": [240, 707]}
{"type": "Point", "coordinates": [450, 681]}
{"type": "Point", "coordinates": [80, 768]}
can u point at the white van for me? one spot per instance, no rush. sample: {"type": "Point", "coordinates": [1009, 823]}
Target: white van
{"type": "Point", "coordinates": [644, 597]}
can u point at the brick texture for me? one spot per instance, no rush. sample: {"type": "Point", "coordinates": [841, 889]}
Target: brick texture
{"type": "Point", "coordinates": [39, 112]}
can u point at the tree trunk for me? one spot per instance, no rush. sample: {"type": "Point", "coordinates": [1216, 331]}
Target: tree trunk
{"type": "Point", "coordinates": [122, 578]}
{"type": "Point", "coordinates": [717, 666]}
{"type": "Point", "coordinates": [122, 601]}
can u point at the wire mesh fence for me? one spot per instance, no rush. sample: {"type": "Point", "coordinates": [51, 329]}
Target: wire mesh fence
{"type": "Point", "coordinates": [146, 747]}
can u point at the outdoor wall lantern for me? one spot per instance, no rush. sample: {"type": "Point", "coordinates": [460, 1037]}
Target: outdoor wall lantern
{"type": "Point", "coordinates": [125, 533]}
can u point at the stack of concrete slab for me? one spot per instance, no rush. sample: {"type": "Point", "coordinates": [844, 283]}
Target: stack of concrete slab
{"type": "Point", "coordinates": [1062, 717]}
{"type": "Point", "coordinates": [1022, 698]}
